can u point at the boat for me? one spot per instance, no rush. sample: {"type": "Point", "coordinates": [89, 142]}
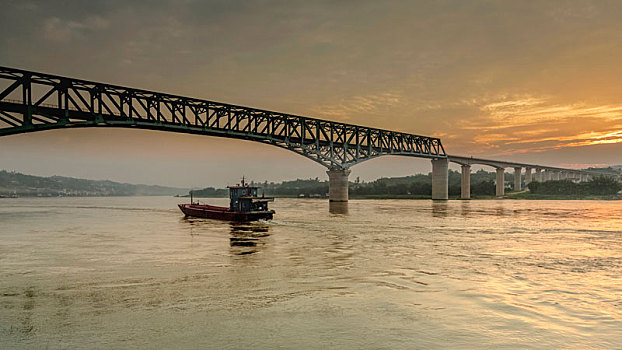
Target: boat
{"type": "Point", "coordinates": [244, 205]}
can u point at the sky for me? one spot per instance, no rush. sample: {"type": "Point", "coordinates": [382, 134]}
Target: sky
{"type": "Point", "coordinates": [528, 81]}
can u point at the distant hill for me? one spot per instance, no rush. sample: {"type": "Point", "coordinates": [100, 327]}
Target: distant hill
{"type": "Point", "coordinates": [14, 183]}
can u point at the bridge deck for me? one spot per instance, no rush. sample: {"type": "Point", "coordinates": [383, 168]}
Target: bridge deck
{"type": "Point", "coordinates": [508, 164]}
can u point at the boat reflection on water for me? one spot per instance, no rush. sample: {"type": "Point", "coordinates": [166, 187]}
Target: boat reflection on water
{"type": "Point", "coordinates": [338, 208]}
{"type": "Point", "coordinates": [246, 237]}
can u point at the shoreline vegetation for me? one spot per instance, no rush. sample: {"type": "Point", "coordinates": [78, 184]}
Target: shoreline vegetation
{"type": "Point", "coordinates": [420, 187]}
{"type": "Point", "coordinates": [13, 184]}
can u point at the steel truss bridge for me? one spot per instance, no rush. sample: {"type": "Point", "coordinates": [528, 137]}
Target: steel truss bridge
{"type": "Point", "coordinates": [31, 101]}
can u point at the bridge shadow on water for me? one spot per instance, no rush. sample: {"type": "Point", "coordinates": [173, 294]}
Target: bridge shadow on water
{"type": "Point", "coordinates": [338, 208]}
{"type": "Point", "coordinates": [440, 209]}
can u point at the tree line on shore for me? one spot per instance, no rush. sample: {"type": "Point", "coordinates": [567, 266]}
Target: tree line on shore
{"type": "Point", "coordinates": [482, 184]}
{"type": "Point", "coordinates": [415, 186]}
{"type": "Point", "coordinates": [597, 186]}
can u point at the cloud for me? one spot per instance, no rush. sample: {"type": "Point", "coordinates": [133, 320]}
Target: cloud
{"type": "Point", "coordinates": [62, 30]}
{"type": "Point", "coordinates": [535, 124]}
{"type": "Point", "coordinates": [349, 108]}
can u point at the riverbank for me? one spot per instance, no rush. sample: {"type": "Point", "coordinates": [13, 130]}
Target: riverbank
{"type": "Point", "coordinates": [536, 196]}
{"type": "Point", "coordinates": [511, 195]}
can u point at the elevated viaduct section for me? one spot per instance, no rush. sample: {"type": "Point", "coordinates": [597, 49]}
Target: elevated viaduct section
{"type": "Point", "coordinates": [532, 172]}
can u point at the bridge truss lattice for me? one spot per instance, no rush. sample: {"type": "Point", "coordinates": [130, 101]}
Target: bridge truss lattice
{"type": "Point", "coordinates": [31, 101]}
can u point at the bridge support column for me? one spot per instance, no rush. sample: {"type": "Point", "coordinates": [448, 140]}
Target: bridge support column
{"type": "Point", "coordinates": [563, 175]}
{"type": "Point", "coordinates": [440, 175]}
{"type": "Point", "coordinates": [527, 176]}
{"type": "Point", "coordinates": [465, 184]}
{"type": "Point", "coordinates": [500, 182]}
{"type": "Point", "coordinates": [517, 179]}
{"type": "Point", "coordinates": [556, 175]}
{"type": "Point", "coordinates": [338, 185]}
{"type": "Point", "coordinates": [538, 175]}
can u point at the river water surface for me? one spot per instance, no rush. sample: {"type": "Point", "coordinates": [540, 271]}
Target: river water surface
{"type": "Point", "coordinates": [131, 272]}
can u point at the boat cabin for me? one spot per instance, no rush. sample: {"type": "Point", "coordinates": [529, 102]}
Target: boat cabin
{"type": "Point", "coordinates": [243, 198]}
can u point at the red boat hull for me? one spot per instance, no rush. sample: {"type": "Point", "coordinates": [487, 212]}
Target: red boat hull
{"type": "Point", "coordinates": [223, 213]}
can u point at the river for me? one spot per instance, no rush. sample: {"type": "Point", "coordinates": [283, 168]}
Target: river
{"type": "Point", "coordinates": [132, 272]}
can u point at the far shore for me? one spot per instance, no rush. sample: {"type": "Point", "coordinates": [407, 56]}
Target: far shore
{"type": "Point", "coordinates": [523, 195]}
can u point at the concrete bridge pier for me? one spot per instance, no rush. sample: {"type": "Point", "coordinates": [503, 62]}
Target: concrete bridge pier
{"type": "Point", "coordinates": [338, 185]}
{"type": "Point", "coordinates": [528, 178]}
{"type": "Point", "coordinates": [549, 175]}
{"type": "Point", "coordinates": [440, 179]}
{"type": "Point", "coordinates": [500, 182]}
{"type": "Point", "coordinates": [538, 175]}
{"type": "Point", "coordinates": [465, 184]}
{"type": "Point", "coordinates": [517, 178]}
{"type": "Point", "coordinates": [555, 175]}
{"type": "Point", "coordinates": [563, 175]}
